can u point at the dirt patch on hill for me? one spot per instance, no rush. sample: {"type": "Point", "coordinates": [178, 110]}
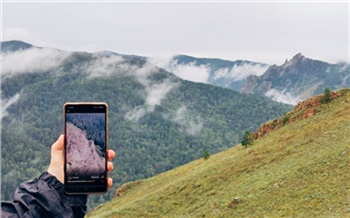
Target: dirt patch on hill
{"type": "Point", "coordinates": [302, 110]}
{"type": "Point", "coordinates": [126, 187]}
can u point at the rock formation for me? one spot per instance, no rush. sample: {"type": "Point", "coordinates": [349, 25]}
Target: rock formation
{"type": "Point", "coordinates": [302, 110]}
{"type": "Point", "coordinates": [83, 157]}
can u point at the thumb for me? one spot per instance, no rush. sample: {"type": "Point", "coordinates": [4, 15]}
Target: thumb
{"type": "Point", "coordinates": [57, 147]}
{"type": "Point", "coordinates": [57, 160]}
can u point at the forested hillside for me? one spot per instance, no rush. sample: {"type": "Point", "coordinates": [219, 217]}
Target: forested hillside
{"type": "Point", "coordinates": [156, 120]}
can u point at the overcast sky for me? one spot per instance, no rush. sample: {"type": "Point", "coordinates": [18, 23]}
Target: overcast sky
{"type": "Point", "coordinates": [256, 31]}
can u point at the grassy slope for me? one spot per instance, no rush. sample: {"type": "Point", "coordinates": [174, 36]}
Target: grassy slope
{"type": "Point", "coordinates": [299, 170]}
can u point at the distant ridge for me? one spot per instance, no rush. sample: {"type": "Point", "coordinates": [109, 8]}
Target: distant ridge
{"type": "Point", "coordinates": [14, 45]}
{"type": "Point", "coordinates": [298, 78]}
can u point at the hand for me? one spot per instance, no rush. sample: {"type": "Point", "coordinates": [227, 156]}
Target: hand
{"type": "Point", "coordinates": [56, 166]}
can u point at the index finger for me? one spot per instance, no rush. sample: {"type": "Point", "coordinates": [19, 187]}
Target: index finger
{"type": "Point", "coordinates": [110, 154]}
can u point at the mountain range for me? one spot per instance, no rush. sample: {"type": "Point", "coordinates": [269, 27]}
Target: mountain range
{"type": "Point", "coordinates": [298, 78]}
{"type": "Point", "coordinates": [218, 72]}
{"type": "Point", "coordinates": [157, 121]}
{"type": "Point", "coordinates": [294, 81]}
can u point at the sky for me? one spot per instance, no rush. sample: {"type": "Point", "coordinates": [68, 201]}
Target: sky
{"type": "Point", "coordinates": [267, 32]}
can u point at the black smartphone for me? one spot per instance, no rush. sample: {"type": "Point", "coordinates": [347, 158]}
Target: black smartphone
{"type": "Point", "coordinates": [85, 147]}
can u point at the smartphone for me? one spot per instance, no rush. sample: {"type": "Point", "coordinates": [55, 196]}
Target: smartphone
{"type": "Point", "coordinates": [85, 147]}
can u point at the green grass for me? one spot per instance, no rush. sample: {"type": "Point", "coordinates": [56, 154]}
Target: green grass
{"type": "Point", "coordinates": [298, 170]}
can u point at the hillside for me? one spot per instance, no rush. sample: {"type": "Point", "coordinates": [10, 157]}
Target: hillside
{"type": "Point", "coordinates": [156, 120]}
{"type": "Point", "coordinates": [300, 169]}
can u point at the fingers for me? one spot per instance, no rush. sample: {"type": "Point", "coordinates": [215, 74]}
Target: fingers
{"type": "Point", "coordinates": [110, 154]}
{"type": "Point", "coordinates": [110, 182]}
{"type": "Point", "coordinates": [110, 166]}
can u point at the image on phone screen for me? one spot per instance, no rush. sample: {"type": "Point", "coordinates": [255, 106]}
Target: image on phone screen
{"type": "Point", "coordinates": [85, 148]}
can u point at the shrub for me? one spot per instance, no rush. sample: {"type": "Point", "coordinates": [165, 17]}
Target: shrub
{"type": "Point", "coordinates": [285, 119]}
{"type": "Point", "coordinates": [247, 139]}
{"type": "Point", "coordinates": [206, 155]}
{"type": "Point", "coordinates": [327, 96]}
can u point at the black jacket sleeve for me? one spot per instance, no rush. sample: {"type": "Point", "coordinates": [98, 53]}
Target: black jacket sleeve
{"type": "Point", "coordinates": [44, 197]}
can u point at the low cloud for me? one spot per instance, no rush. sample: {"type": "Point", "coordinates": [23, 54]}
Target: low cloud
{"type": "Point", "coordinates": [6, 103]}
{"type": "Point", "coordinates": [31, 61]}
{"type": "Point", "coordinates": [202, 73]}
{"type": "Point", "coordinates": [45, 59]}
{"type": "Point", "coordinates": [240, 72]}
{"type": "Point", "coordinates": [106, 66]}
{"type": "Point", "coordinates": [155, 93]}
{"type": "Point", "coordinates": [282, 96]}
{"type": "Point", "coordinates": [190, 71]}
{"type": "Point", "coordinates": [187, 123]}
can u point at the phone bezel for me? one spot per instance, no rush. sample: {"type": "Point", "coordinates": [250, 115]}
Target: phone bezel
{"type": "Point", "coordinates": [83, 189]}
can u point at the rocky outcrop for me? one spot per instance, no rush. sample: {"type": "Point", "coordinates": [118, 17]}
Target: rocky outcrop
{"type": "Point", "coordinates": [266, 128]}
{"type": "Point", "coordinates": [302, 110]}
{"type": "Point", "coordinates": [83, 158]}
{"type": "Point", "coordinates": [312, 102]}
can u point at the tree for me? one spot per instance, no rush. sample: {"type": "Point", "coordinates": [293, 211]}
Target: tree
{"type": "Point", "coordinates": [285, 119]}
{"type": "Point", "coordinates": [206, 155]}
{"type": "Point", "coordinates": [327, 95]}
{"type": "Point", "coordinates": [247, 139]}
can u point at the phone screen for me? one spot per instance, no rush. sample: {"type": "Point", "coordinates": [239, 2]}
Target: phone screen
{"type": "Point", "coordinates": [85, 148]}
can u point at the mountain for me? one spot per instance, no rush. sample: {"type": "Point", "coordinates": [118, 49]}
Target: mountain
{"type": "Point", "coordinates": [295, 80]}
{"type": "Point", "coordinates": [156, 120]}
{"type": "Point", "coordinates": [218, 72]}
{"type": "Point", "coordinates": [300, 169]}
{"type": "Point", "coordinates": [14, 45]}
{"type": "Point", "coordinates": [298, 79]}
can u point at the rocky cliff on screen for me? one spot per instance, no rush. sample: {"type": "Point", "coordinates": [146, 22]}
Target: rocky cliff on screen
{"type": "Point", "coordinates": [83, 156]}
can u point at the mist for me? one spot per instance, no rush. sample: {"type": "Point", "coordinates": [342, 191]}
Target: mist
{"type": "Point", "coordinates": [32, 61]}
{"type": "Point", "coordinates": [36, 60]}
{"type": "Point", "coordinates": [282, 96]}
{"type": "Point", "coordinates": [153, 93]}
{"type": "Point", "coordinates": [190, 124]}
{"type": "Point", "coordinates": [190, 72]}
{"type": "Point", "coordinates": [106, 66]}
{"type": "Point", "coordinates": [204, 73]}
{"type": "Point", "coordinates": [6, 103]}
{"type": "Point", "coordinates": [240, 72]}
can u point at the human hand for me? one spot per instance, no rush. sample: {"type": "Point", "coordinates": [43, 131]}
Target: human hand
{"type": "Point", "coordinates": [56, 166]}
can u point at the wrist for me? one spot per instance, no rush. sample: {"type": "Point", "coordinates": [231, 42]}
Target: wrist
{"type": "Point", "coordinates": [56, 172]}
{"type": "Point", "coordinates": [51, 180]}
